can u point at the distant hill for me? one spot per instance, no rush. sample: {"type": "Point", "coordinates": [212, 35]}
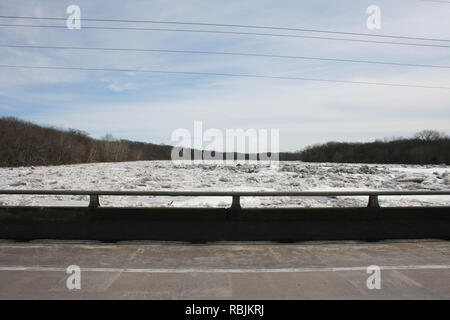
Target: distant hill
{"type": "Point", "coordinates": [426, 147]}
{"type": "Point", "coordinates": [26, 144]}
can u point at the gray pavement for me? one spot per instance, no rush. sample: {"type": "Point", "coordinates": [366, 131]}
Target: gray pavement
{"type": "Point", "coordinates": [152, 270]}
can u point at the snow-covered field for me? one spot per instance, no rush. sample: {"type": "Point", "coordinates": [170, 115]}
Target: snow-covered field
{"type": "Point", "coordinates": [165, 175]}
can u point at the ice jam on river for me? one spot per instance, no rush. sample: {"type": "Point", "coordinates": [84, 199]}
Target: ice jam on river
{"type": "Point", "coordinates": [166, 175]}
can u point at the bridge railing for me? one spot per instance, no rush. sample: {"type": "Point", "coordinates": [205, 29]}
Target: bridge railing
{"type": "Point", "coordinates": [94, 195]}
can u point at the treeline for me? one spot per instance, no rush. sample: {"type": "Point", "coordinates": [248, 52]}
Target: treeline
{"type": "Point", "coordinates": [426, 147]}
{"type": "Point", "coordinates": [26, 144]}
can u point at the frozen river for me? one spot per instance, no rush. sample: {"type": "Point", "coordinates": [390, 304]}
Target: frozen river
{"type": "Point", "coordinates": [165, 175]}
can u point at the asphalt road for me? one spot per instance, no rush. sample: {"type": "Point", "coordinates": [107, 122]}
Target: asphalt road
{"type": "Point", "coordinates": [151, 270]}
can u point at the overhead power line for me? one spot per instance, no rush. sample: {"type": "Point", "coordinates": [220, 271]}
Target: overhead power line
{"type": "Point", "coordinates": [230, 25]}
{"type": "Point", "coordinates": [441, 1]}
{"type": "Point", "coordinates": [225, 75]}
{"type": "Point", "coordinates": [224, 53]}
{"type": "Point", "coordinates": [234, 33]}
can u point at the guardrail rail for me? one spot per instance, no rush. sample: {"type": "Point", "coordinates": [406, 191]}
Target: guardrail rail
{"type": "Point", "coordinates": [94, 196]}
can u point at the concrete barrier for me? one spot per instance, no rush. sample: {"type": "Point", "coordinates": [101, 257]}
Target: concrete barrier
{"type": "Point", "coordinates": [220, 224]}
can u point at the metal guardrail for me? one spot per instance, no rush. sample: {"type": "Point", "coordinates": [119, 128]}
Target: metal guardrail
{"type": "Point", "coordinates": [94, 195]}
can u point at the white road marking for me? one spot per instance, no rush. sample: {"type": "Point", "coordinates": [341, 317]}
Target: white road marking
{"type": "Point", "coordinates": [222, 270]}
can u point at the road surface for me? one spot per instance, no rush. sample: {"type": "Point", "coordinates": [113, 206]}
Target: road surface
{"type": "Point", "coordinates": [162, 270]}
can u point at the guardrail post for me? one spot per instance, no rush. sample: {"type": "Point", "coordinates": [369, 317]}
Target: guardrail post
{"type": "Point", "coordinates": [235, 204]}
{"type": "Point", "coordinates": [94, 201]}
{"type": "Point", "coordinates": [373, 201]}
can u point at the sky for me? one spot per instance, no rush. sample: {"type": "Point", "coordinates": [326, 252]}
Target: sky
{"type": "Point", "coordinates": [150, 106]}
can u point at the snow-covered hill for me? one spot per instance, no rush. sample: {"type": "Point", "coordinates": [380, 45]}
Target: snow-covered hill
{"type": "Point", "coordinates": [165, 175]}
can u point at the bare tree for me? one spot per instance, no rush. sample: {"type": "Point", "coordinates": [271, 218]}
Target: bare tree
{"type": "Point", "coordinates": [429, 135]}
{"type": "Point", "coordinates": [108, 137]}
